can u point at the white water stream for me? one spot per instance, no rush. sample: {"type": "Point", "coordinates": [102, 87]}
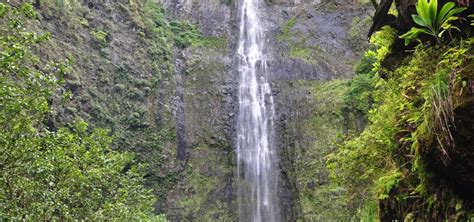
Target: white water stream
{"type": "Point", "coordinates": [256, 163]}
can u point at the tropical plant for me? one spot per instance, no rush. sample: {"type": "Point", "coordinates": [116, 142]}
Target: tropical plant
{"type": "Point", "coordinates": [433, 22]}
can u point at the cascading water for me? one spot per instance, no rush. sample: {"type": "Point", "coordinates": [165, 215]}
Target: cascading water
{"type": "Point", "coordinates": [257, 187]}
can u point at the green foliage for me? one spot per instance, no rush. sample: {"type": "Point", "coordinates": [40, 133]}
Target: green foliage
{"type": "Point", "coordinates": [3, 10]}
{"type": "Point", "coordinates": [359, 97]}
{"type": "Point", "coordinates": [99, 35]}
{"type": "Point", "coordinates": [369, 212]}
{"type": "Point", "coordinates": [432, 21]}
{"type": "Point", "coordinates": [385, 184]}
{"type": "Point", "coordinates": [202, 175]}
{"type": "Point", "coordinates": [84, 22]}
{"type": "Point", "coordinates": [211, 42]}
{"type": "Point", "coordinates": [72, 174]}
{"type": "Point", "coordinates": [159, 31]}
{"type": "Point", "coordinates": [300, 52]}
{"type": "Point", "coordinates": [410, 114]}
{"type": "Point", "coordinates": [361, 158]}
{"type": "Point", "coordinates": [64, 8]}
{"type": "Point", "coordinates": [185, 33]}
{"type": "Point", "coordinates": [321, 199]}
{"type": "Point", "coordinates": [65, 174]}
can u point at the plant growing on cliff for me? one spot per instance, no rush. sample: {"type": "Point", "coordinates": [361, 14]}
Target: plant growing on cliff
{"type": "Point", "coordinates": [185, 33]}
{"type": "Point", "coordinates": [411, 118]}
{"type": "Point", "coordinates": [100, 36]}
{"type": "Point", "coordinates": [432, 21]}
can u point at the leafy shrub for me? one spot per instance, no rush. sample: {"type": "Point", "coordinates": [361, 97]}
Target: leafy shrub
{"type": "Point", "coordinates": [359, 98]}
{"type": "Point", "coordinates": [84, 22]}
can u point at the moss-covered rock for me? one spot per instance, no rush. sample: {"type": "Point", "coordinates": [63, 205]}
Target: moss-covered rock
{"type": "Point", "coordinates": [311, 134]}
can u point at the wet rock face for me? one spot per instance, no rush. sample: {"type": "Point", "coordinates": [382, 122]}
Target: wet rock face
{"type": "Point", "coordinates": [307, 40]}
{"type": "Point", "coordinates": [316, 40]}
{"type": "Point", "coordinates": [214, 17]}
{"type": "Point", "coordinates": [311, 42]}
{"type": "Point", "coordinates": [206, 191]}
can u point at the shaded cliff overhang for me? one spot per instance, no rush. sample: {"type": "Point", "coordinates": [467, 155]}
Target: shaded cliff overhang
{"type": "Point", "coordinates": [454, 163]}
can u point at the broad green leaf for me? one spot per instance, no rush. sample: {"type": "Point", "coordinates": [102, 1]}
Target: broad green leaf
{"type": "Point", "coordinates": [419, 20]}
{"type": "Point", "coordinates": [433, 11]}
{"type": "Point", "coordinates": [422, 9]}
{"type": "Point", "coordinates": [435, 23]}
{"type": "Point", "coordinates": [413, 34]}
{"type": "Point", "coordinates": [451, 13]}
{"type": "Point", "coordinates": [444, 12]}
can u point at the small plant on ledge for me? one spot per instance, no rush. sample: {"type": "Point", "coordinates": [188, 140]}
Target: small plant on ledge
{"type": "Point", "coordinates": [432, 21]}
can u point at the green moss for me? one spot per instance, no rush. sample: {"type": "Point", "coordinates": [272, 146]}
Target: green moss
{"type": "Point", "coordinates": [364, 2]}
{"type": "Point", "coordinates": [300, 52]}
{"type": "Point", "coordinates": [285, 31]}
{"type": "Point", "coordinates": [203, 175]}
{"type": "Point", "coordinates": [296, 45]}
{"type": "Point", "coordinates": [309, 54]}
{"type": "Point", "coordinates": [227, 2]}
{"type": "Point", "coordinates": [84, 22]}
{"type": "Point", "coordinates": [321, 198]}
{"type": "Point", "coordinates": [211, 42]}
{"type": "Point", "coordinates": [131, 97]}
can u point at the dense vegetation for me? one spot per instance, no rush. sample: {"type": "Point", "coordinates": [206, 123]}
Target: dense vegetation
{"type": "Point", "coordinates": [101, 74]}
{"type": "Point", "coordinates": [397, 168]}
{"type": "Point", "coordinates": [55, 174]}
{"type": "Point", "coordinates": [384, 144]}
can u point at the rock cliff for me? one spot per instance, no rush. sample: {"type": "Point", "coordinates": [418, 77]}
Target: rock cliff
{"type": "Point", "coordinates": [310, 42]}
{"type": "Point", "coordinates": [172, 102]}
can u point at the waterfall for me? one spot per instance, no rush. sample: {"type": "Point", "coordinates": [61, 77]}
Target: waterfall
{"type": "Point", "coordinates": [257, 186]}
